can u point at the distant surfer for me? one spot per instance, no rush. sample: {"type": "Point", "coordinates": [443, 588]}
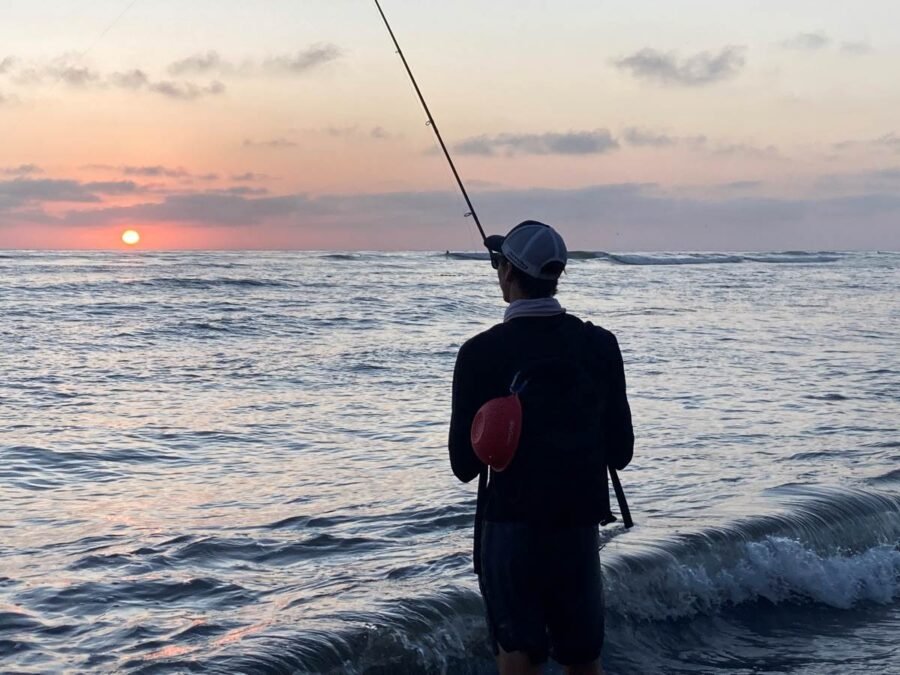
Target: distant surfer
{"type": "Point", "coordinates": [539, 412]}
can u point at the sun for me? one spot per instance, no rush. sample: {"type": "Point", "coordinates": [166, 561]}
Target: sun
{"type": "Point", "coordinates": [131, 237]}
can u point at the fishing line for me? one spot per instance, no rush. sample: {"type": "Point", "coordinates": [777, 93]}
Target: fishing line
{"type": "Point", "coordinates": [80, 56]}
{"type": "Point", "coordinates": [434, 126]}
{"type": "Point", "coordinates": [108, 28]}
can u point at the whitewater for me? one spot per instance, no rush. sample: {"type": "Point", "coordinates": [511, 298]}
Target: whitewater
{"type": "Point", "coordinates": [235, 462]}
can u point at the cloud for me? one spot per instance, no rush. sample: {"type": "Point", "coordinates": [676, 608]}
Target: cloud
{"type": "Point", "coordinates": [807, 41]}
{"type": "Point", "coordinates": [881, 180]}
{"type": "Point", "coordinates": [121, 187]}
{"type": "Point", "coordinates": [340, 132]}
{"type": "Point", "coordinates": [200, 64]}
{"type": "Point", "coordinates": [154, 171]}
{"type": "Point", "coordinates": [380, 134]}
{"type": "Point", "coordinates": [741, 185]}
{"type": "Point", "coordinates": [21, 170]}
{"type": "Point", "coordinates": [202, 209]}
{"type": "Point", "coordinates": [250, 177]}
{"type": "Point", "coordinates": [304, 60]}
{"type": "Point", "coordinates": [204, 63]}
{"type": "Point", "coordinates": [82, 77]}
{"type": "Point", "coordinates": [642, 137]}
{"type": "Point", "coordinates": [273, 144]}
{"type": "Point", "coordinates": [598, 141]}
{"type": "Point", "coordinates": [61, 70]}
{"type": "Point", "coordinates": [23, 191]}
{"type": "Point", "coordinates": [857, 48]}
{"type": "Point", "coordinates": [698, 70]}
{"type": "Point", "coordinates": [746, 150]}
{"type": "Point", "coordinates": [132, 79]}
{"type": "Point", "coordinates": [638, 137]}
{"type": "Point", "coordinates": [889, 141]}
{"type": "Point", "coordinates": [242, 190]}
{"type": "Point", "coordinates": [186, 91]}
{"type": "Point", "coordinates": [7, 64]}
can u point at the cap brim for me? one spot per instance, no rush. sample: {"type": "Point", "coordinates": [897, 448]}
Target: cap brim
{"type": "Point", "coordinates": [495, 242]}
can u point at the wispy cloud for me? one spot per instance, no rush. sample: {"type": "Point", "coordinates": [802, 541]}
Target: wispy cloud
{"type": "Point", "coordinates": [186, 91]}
{"type": "Point", "coordinates": [819, 41]}
{"type": "Point", "coordinates": [857, 48]}
{"type": "Point", "coordinates": [889, 141]}
{"type": "Point", "coordinates": [119, 187]}
{"type": "Point", "coordinates": [131, 79]}
{"type": "Point", "coordinates": [298, 63]}
{"type": "Point", "coordinates": [271, 144]}
{"type": "Point", "coordinates": [598, 141]}
{"type": "Point", "coordinates": [203, 209]}
{"type": "Point", "coordinates": [668, 68]}
{"type": "Point", "coordinates": [23, 191]}
{"type": "Point", "coordinates": [807, 41]}
{"type": "Point", "coordinates": [303, 61]}
{"type": "Point", "coordinates": [63, 70]}
{"type": "Point", "coordinates": [6, 64]}
{"type": "Point", "coordinates": [201, 64]}
{"type": "Point", "coordinates": [242, 191]}
{"type": "Point", "coordinates": [21, 170]}
{"type": "Point", "coordinates": [155, 171]}
{"type": "Point", "coordinates": [643, 137]}
{"type": "Point", "coordinates": [60, 70]}
{"type": "Point", "coordinates": [639, 137]}
{"type": "Point", "coordinates": [182, 91]}
{"type": "Point", "coordinates": [250, 177]}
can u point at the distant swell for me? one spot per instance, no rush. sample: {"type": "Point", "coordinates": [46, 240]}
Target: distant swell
{"type": "Point", "coordinates": [210, 283]}
{"type": "Point", "coordinates": [641, 259]}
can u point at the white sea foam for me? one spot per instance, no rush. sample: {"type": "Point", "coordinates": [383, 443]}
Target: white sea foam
{"type": "Point", "coordinates": [777, 569]}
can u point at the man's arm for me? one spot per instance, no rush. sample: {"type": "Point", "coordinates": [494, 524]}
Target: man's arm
{"type": "Point", "coordinates": [619, 430]}
{"type": "Point", "coordinates": [463, 461]}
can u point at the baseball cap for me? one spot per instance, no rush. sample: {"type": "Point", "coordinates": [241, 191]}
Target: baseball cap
{"type": "Point", "coordinates": [530, 246]}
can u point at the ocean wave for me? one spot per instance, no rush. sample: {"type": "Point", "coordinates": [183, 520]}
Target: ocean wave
{"type": "Point", "coordinates": [833, 549]}
{"type": "Point", "coordinates": [776, 569]}
{"type": "Point", "coordinates": [439, 633]}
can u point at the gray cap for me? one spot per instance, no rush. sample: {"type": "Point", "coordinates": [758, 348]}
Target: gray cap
{"type": "Point", "coordinates": [531, 246]}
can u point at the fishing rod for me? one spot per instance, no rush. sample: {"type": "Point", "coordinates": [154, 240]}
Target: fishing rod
{"type": "Point", "coordinates": [620, 495]}
{"type": "Point", "coordinates": [434, 126]}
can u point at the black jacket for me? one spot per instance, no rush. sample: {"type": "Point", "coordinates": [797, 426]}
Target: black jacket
{"type": "Point", "coordinates": [558, 478]}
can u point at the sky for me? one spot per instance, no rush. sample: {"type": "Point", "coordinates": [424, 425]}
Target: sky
{"type": "Point", "coordinates": [290, 124]}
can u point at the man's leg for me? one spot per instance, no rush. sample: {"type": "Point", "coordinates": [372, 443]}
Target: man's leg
{"type": "Point", "coordinates": [586, 669]}
{"type": "Point", "coordinates": [517, 663]}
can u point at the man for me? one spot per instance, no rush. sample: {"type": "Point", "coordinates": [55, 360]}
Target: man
{"type": "Point", "coordinates": [536, 522]}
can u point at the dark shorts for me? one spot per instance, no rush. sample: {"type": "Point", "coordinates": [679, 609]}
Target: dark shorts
{"type": "Point", "coordinates": [543, 591]}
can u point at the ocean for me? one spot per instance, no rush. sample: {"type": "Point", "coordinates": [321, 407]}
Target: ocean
{"type": "Point", "coordinates": [235, 462]}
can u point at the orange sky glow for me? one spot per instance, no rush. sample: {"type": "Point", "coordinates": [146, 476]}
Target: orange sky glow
{"type": "Point", "coordinates": [628, 125]}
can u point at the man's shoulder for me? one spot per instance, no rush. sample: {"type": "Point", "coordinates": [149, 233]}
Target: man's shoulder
{"type": "Point", "coordinates": [486, 339]}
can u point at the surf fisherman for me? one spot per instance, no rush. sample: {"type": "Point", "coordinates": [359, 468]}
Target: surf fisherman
{"type": "Point", "coordinates": [541, 500]}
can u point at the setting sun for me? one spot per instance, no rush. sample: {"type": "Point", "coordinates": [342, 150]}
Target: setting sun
{"type": "Point", "coordinates": [131, 237]}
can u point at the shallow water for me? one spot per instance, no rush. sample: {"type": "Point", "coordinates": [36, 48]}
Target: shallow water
{"type": "Point", "coordinates": [236, 462]}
